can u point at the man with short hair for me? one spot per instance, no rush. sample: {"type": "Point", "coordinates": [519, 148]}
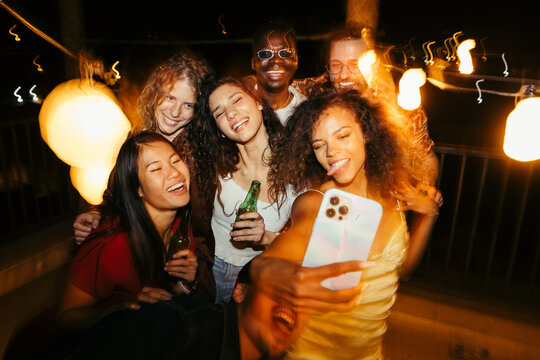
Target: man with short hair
{"type": "Point", "coordinates": [274, 59]}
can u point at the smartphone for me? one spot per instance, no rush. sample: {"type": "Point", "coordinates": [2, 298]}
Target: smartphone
{"type": "Point", "coordinates": [343, 230]}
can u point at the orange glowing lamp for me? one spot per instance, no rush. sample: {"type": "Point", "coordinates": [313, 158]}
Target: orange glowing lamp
{"type": "Point", "coordinates": [409, 96]}
{"type": "Point", "coordinates": [365, 65]}
{"type": "Point", "coordinates": [82, 122]}
{"type": "Point", "coordinates": [464, 56]}
{"type": "Point", "coordinates": [522, 129]}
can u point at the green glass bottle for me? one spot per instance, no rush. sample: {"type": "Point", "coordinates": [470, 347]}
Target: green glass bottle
{"type": "Point", "coordinates": [250, 202]}
{"type": "Point", "coordinates": [180, 240]}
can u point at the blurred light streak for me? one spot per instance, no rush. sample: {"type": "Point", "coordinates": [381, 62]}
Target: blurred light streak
{"type": "Point", "coordinates": [39, 68]}
{"type": "Point", "coordinates": [464, 55]}
{"type": "Point", "coordinates": [17, 38]}
{"type": "Point", "coordinates": [19, 97]}
{"type": "Point", "coordinates": [428, 59]}
{"type": "Point", "coordinates": [479, 91]}
{"type": "Point", "coordinates": [223, 31]}
{"type": "Point", "coordinates": [505, 72]}
{"type": "Point", "coordinates": [116, 71]}
{"type": "Point", "coordinates": [409, 96]}
{"type": "Point", "coordinates": [34, 96]}
{"type": "Point", "coordinates": [36, 30]}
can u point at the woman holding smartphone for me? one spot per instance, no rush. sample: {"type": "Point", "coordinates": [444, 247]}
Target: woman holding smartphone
{"type": "Point", "coordinates": [337, 141]}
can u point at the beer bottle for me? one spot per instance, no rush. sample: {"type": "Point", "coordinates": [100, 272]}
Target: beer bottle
{"type": "Point", "coordinates": [248, 205]}
{"type": "Point", "coordinates": [180, 240]}
{"type": "Point", "coordinates": [250, 202]}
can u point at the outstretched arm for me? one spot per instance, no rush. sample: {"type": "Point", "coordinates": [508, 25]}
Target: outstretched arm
{"type": "Point", "coordinates": [279, 273]}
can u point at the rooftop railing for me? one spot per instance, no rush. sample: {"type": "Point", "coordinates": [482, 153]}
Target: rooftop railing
{"type": "Point", "coordinates": [486, 239]}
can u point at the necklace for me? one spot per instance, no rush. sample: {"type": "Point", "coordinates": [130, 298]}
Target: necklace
{"type": "Point", "coordinates": [289, 98]}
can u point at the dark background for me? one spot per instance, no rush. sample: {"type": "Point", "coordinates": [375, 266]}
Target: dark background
{"type": "Point", "coordinates": [140, 34]}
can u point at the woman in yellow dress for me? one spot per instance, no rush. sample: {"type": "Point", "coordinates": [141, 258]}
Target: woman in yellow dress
{"type": "Point", "coordinates": [337, 141]}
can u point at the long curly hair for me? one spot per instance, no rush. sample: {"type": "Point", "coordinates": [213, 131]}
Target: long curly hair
{"type": "Point", "coordinates": [295, 162]}
{"type": "Point", "coordinates": [185, 65]}
{"type": "Point", "coordinates": [216, 156]}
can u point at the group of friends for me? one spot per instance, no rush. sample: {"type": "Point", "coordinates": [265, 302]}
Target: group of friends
{"type": "Point", "coordinates": [240, 291]}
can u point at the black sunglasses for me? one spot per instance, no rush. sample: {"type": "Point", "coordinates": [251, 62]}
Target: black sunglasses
{"type": "Point", "coordinates": [268, 54]}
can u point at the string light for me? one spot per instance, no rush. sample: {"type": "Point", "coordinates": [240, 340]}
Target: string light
{"type": "Point", "coordinates": [19, 97]}
{"type": "Point", "coordinates": [409, 88]}
{"type": "Point", "coordinates": [34, 96]}
{"type": "Point", "coordinates": [505, 72]}
{"type": "Point", "coordinates": [479, 91]}
{"type": "Point", "coordinates": [116, 71]}
{"type": "Point", "coordinates": [39, 68]}
{"type": "Point", "coordinates": [464, 56]}
{"type": "Point", "coordinates": [17, 38]}
{"type": "Point", "coordinates": [223, 31]}
{"type": "Point", "coordinates": [523, 126]}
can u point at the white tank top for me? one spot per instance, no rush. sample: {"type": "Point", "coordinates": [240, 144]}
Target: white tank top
{"type": "Point", "coordinates": [232, 196]}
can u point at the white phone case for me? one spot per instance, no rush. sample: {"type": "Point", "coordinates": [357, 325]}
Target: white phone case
{"type": "Point", "coordinates": [344, 230]}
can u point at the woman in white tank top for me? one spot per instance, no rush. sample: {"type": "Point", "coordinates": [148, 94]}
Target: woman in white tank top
{"type": "Point", "coordinates": [235, 133]}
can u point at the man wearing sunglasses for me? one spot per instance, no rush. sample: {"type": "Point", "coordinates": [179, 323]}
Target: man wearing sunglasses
{"type": "Point", "coordinates": [275, 60]}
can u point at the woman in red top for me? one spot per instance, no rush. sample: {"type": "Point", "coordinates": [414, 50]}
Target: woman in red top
{"type": "Point", "coordinates": [124, 259]}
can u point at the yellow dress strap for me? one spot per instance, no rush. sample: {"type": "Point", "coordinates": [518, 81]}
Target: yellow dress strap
{"type": "Point", "coordinates": [319, 191]}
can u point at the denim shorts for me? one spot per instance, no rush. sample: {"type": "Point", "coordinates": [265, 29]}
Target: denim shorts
{"type": "Point", "coordinates": [225, 275]}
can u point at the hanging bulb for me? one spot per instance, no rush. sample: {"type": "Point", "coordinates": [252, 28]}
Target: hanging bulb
{"type": "Point", "coordinates": [365, 65]}
{"type": "Point", "coordinates": [409, 88]}
{"type": "Point", "coordinates": [522, 129]}
{"type": "Point", "coordinates": [464, 55]}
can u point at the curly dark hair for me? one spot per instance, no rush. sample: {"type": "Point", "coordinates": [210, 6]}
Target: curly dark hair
{"type": "Point", "coordinates": [295, 162]}
{"type": "Point", "coordinates": [216, 156]}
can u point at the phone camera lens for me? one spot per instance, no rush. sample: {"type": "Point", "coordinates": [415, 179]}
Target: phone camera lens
{"type": "Point", "coordinates": [330, 212]}
{"type": "Point", "coordinates": [343, 210]}
{"type": "Point", "coordinates": [334, 200]}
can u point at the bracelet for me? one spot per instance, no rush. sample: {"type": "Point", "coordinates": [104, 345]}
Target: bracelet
{"type": "Point", "coordinates": [189, 288]}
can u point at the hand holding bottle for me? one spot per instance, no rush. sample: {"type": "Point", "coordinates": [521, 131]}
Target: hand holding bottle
{"type": "Point", "coordinates": [183, 265]}
{"type": "Point", "coordinates": [249, 227]}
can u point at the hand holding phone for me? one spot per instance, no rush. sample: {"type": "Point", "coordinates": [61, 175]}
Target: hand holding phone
{"type": "Point", "coordinates": [344, 230]}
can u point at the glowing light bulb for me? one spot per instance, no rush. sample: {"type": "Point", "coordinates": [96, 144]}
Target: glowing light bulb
{"type": "Point", "coordinates": [82, 122]}
{"type": "Point", "coordinates": [464, 55]}
{"type": "Point", "coordinates": [91, 182]}
{"type": "Point", "coordinates": [365, 65]}
{"type": "Point", "coordinates": [409, 96]}
{"type": "Point", "coordinates": [522, 129]}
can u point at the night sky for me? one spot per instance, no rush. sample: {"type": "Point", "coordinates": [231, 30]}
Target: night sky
{"type": "Point", "coordinates": [138, 35]}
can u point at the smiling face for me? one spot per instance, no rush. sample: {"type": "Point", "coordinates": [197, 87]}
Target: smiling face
{"type": "Point", "coordinates": [268, 326]}
{"type": "Point", "coordinates": [176, 109]}
{"type": "Point", "coordinates": [275, 74]}
{"type": "Point", "coordinates": [163, 176]}
{"type": "Point", "coordinates": [345, 53]}
{"type": "Point", "coordinates": [339, 145]}
{"type": "Point", "coordinates": [237, 114]}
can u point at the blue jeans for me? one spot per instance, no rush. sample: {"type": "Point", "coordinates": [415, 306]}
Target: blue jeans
{"type": "Point", "coordinates": [225, 275]}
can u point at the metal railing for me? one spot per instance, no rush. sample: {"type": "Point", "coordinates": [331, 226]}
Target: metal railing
{"type": "Point", "coordinates": [35, 187]}
{"type": "Point", "coordinates": [487, 237]}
